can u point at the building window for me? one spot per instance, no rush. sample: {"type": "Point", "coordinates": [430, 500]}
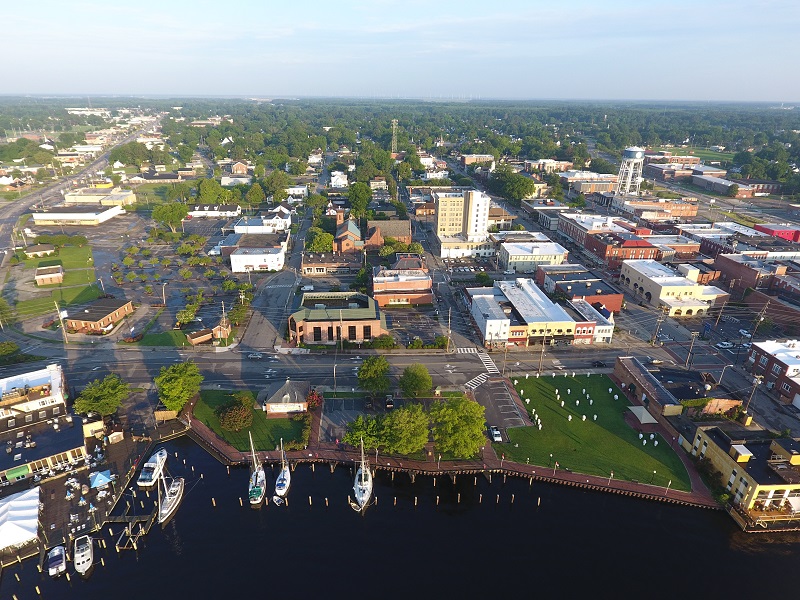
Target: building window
{"type": "Point", "coordinates": [367, 332]}
{"type": "Point", "coordinates": [776, 368]}
{"type": "Point", "coordinates": [786, 387]}
{"type": "Point", "coordinates": [317, 334]}
{"type": "Point", "coordinates": [42, 414]}
{"type": "Point", "coordinates": [56, 410]}
{"type": "Point", "coordinates": [351, 332]}
{"type": "Point", "coordinates": [11, 423]}
{"type": "Point", "coordinates": [28, 418]}
{"type": "Point", "coordinates": [762, 361]}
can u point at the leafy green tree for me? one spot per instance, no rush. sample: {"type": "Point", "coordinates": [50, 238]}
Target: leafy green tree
{"type": "Point", "coordinates": [360, 196]}
{"type": "Point", "coordinates": [415, 380]}
{"type": "Point", "coordinates": [484, 279]}
{"type": "Point", "coordinates": [384, 341]}
{"type": "Point", "coordinates": [255, 195]}
{"type": "Point", "coordinates": [733, 191]}
{"type": "Point", "coordinates": [458, 425]}
{"type": "Point", "coordinates": [103, 396]}
{"type": "Point", "coordinates": [128, 261]}
{"type": "Point", "coordinates": [170, 214]}
{"type": "Point", "coordinates": [177, 384]}
{"type": "Point", "coordinates": [373, 374]}
{"type": "Point", "coordinates": [405, 430]}
{"type": "Point", "coordinates": [8, 348]}
{"type": "Point", "coordinates": [179, 191]}
{"type": "Point", "coordinates": [131, 276]}
{"type": "Point", "coordinates": [416, 248]}
{"type": "Point", "coordinates": [209, 191]}
{"type": "Point", "coordinates": [318, 240]}
{"type": "Point", "coordinates": [366, 428]}
{"type": "Point", "coordinates": [185, 273]}
{"type": "Point", "coordinates": [229, 285]}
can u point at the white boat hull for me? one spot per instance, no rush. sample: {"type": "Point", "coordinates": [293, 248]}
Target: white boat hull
{"type": "Point", "coordinates": [152, 469]}
{"type": "Point", "coordinates": [283, 482]}
{"type": "Point", "coordinates": [257, 487]}
{"type": "Point", "coordinates": [170, 500]}
{"type": "Point", "coordinates": [83, 555]}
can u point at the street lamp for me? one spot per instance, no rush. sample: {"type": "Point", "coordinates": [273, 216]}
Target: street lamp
{"type": "Point", "coordinates": [102, 285]}
{"type": "Point", "coordinates": [756, 382]}
{"type": "Point", "coordinates": [653, 477]}
{"type": "Point", "coordinates": [722, 374]}
{"type": "Point", "coordinates": [163, 293]}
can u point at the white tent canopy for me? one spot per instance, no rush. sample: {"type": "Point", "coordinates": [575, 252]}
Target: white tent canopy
{"type": "Point", "coordinates": [641, 413]}
{"type": "Point", "coordinates": [19, 518]}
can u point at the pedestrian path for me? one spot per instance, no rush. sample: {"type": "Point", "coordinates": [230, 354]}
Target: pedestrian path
{"type": "Point", "coordinates": [281, 286]}
{"type": "Point", "coordinates": [467, 350]}
{"type": "Point", "coordinates": [476, 381]}
{"type": "Point", "coordinates": [488, 363]}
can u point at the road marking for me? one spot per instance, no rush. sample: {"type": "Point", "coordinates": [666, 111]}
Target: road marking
{"type": "Point", "coordinates": [488, 363]}
{"type": "Point", "coordinates": [467, 350]}
{"type": "Point", "coordinates": [476, 381]}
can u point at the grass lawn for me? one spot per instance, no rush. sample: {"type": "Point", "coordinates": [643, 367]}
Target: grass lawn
{"type": "Point", "coordinates": [704, 155]}
{"type": "Point", "coordinates": [64, 296]}
{"type": "Point", "coordinates": [151, 189]}
{"type": "Point", "coordinates": [165, 338]}
{"type": "Point", "coordinates": [70, 257]}
{"type": "Point", "coordinates": [591, 447]}
{"type": "Point", "coordinates": [267, 433]}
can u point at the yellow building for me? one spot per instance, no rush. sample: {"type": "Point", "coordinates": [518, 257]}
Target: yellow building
{"type": "Point", "coordinates": [761, 474]}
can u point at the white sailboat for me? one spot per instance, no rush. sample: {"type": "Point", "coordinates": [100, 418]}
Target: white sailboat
{"type": "Point", "coordinates": [284, 479]}
{"type": "Point", "coordinates": [169, 497]}
{"type": "Point", "coordinates": [257, 486]}
{"type": "Point", "coordinates": [362, 488]}
{"type": "Point", "coordinates": [83, 554]}
{"type": "Point", "coordinates": [152, 469]}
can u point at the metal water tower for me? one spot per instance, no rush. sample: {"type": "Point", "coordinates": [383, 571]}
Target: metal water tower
{"type": "Point", "coordinates": [630, 171]}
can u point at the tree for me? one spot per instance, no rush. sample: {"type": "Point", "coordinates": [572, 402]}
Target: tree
{"type": "Point", "coordinates": [103, 396]}
{"type": "Point", "coordinates": [177, 383]}
{"type": "Point", "coordinates": [416, 248]}
{"type": "Point", "coordinates": [314, 399]}
{"type": "Point", "coordinates": [237, 414]}
{"type": "Point", "coordinates": [373, 374]}
{"type": "Point", "coordinates": [415, 380]}
{"type": "Point", "coordinates": [8, 348]}
{"type": "Point", "coordinates": [733, 191]}
{"type": "Point", "coordinates": [360, 196]}
{"type": "Point", "coordinates": [484, 279]}
{"type": "Point", "coordinates": [318, 240]}
{"type": "Point", "coordinates": [458, 426]}
{"type": "Point", "coordinates": [255, 195]}
{"type": "Point", "coordinates": [209, 191]}
{"type": "Point", "coordinates": [405, 430]}
{"type": "Point", "coordinates": [384, 341]}
{"type": "Point", "coordinates": [366, 428]}
{"type": "Point", "coordinates": [170, 214]}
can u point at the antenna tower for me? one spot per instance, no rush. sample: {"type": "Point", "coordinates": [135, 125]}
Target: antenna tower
{"type": "Point", "coordinates": [394, 136]}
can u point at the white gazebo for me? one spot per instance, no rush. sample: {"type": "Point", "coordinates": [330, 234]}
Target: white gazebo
{"type": "Point", "coordinates": [19, 519]}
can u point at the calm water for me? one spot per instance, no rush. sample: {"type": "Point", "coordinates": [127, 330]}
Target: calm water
{"type": "Point", "coordinates": [574, 542]}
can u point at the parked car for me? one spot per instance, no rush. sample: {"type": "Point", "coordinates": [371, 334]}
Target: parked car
{"type": "Point", "coordinates": [724, 345]}
{"type": "Point", "coordinates": [389, 402]}
{"type": "Point", "coordinates": [598, 363]}
{"type": "Point", "coordinates": [744, 333]}
{"type": "Point", "coordinates": [746, 345]}
{"type": "Point", "coordinates": [494, 431]}
{"type": "Point", "coordinates": [255, 356]}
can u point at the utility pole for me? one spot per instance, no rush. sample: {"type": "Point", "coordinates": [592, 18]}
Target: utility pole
{"type": "Point", "coordinates": [449, 312]}
{"type": "Point", "coordinates": [689, 357]}
{"type": "Point", "coordinates": [661, 318]}
{"type": "Point", "coordinates": [756, 382]}
{"type": "Point", "coordinates": [541, 356]}
{"type": "Point", "coordinates": [720, 313]}
{"type": "Point", "coordinates": [341, 330]}
{"type": "Point", "coordinates": [61, 320]}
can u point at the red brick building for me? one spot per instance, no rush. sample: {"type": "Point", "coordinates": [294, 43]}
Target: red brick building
{"type": "Point", "coordinates": [613, 248]}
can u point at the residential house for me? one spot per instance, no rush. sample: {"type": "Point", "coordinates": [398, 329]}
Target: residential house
{"type": "Point", "coordinates": [39, 250]}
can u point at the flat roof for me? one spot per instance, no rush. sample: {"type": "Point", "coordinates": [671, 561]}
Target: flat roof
{"type": "Point", "coordinates": [256, 251]}
{"type": "Point", "coordinates": [533, 248]}
{"type": "Point", "coordinates": [489, 307]}
{"type": "Point", "coordinates": [531, 303]}
{"type": "Point", "coordinates": [50, 375]}
{"type": "Point", "coordinates": [93, 210]}
{"type": "Point", "coordinates": [49, 442]}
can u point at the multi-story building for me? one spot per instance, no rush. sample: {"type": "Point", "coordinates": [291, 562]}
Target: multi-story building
{"type": "Point", "coordinates": [331, 317]}
{"type": "Point", "coordinates": [518, 312]}
{"type": "Point", "coordinates": [778, 363]}
{"type": "Point", "coordinates": [655, 209]}
{"type": "Point", "coordinates": [613, 248]}
{"type": "Point", "coordinates": [577, 226]}
{"type": "Point", "coordinates": [741, 272]}
{"type": "Point", "coordinates": [461, 223]}
{"type": "Point", "coordinates": [784, 231]}
{"type": "Point", "coordinates": [587, 182]}
{"type": "Point", "coordinates": [666, 157]}
{"type": "Point", "coordinates": [545, 212]}
{"type": "Point", "coordinates": [406, 283]}
{"type": "Point", "coordinates": [524, 257]}
{"type": "Point", "coordinates": [101, 196]}
{"type": "Point", "coordinates": [547, 165]}
{"type": "Point", "coordinates": [667, 171]}
{"type": "Point", "coordinates": [722, 186]}
{"type": "Point", "coordinates": [673, 247]}
{"type": "Point", "coordinates": [673, 293]}
{"type": "Point", "coordinates": [471, 159]}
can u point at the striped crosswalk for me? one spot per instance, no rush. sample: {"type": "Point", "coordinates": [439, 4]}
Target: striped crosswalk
{"type": "Point", "coordinates": [476, 381]}
{"type": "Point", "coordinates": [467, 350]}
{"type": "Point", "coordinates": [488, 363]}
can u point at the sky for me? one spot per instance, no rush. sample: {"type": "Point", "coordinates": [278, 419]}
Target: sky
{"type": "Point", "coordinates": [706, 50]}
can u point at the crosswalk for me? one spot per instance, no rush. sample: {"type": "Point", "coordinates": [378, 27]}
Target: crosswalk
{"type": "Point", "coordinates": [488, 363]}
{"type": "Point", "coordinates": [476, 381]}
{"type": "Point", "coordinates": [467, 350]}
{"type": "Point", "coordinates": [281, 286]}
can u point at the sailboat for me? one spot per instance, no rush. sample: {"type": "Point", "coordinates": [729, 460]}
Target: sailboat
{"type": "Point", "coordinates": [283, 480]}
{"type": "Point", "coordinates": [362, 488]}
{"type": "Point", "coordinates": [257, 487]}
{"type": "Point", "coordinates": [169, 497]}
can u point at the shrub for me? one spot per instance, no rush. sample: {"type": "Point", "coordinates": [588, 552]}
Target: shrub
{"type": "Point", "coordinates": [236, 414]}
{"type": "Point", "coordinates": [314, 399]}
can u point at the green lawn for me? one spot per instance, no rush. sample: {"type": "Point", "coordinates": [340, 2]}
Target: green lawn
{"type": "Point", "coordinates": [165, 338]}
{"type": "Point", "coordinates": [591, 447]}
{"type": "Point", "coordinates": [64, 296]}
{"type": "Point", "coordinates": [705, 155]}
{"type": "Point", "coordinates": [267, 433]}
{"type": "Point", "coordinates": [69, 257]}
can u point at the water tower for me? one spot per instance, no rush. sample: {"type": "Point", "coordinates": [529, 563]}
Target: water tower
{"type": "Point", "coordinates": [630, 172]}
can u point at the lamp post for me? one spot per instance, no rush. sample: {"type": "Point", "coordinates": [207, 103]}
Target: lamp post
{"type": "Point", "coordinates": [722, 374]}
{"type": "Point", "coordinates": [163, 293]}
{"type": "Point", "coordinates": [653, 477]}
{"type": "Point", "coordinates": [610, 477]}
{"type": "Point", "coordinates": [102, 285]}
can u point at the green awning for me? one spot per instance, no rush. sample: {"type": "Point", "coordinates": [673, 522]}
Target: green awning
{"type": "Point", "coordinates": [19, 471]}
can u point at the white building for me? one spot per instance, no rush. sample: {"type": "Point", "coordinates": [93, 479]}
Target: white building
{"type": "Point", "coordinates": [258, 259]}
{"type": "Point", "coordinates": [216, 211]}
{"type": "Point", "coordinates": [273, 223]}
{"type": "Point", "coordinates": [230, 181]}
{"type": "Point", "coordinates": [297, 191]}
{"type": "Point", "coordinates": [604, 326]}
{"type": "Point", "coordinates": [462, 218]}
{"type": "Point", "coordinates": [339, 179]}
{"type": "Point", "coordinates": [435, 174]}
{"type": "Point", "coordinates": [77, 215]}
{"type": "Point", "coordinates": [524, 257]}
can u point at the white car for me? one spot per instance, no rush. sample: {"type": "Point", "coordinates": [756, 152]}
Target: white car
{"type": "Point", "coordinates": [744, 333]}
{"type": "Point", "coordinates": [495, 432]}
{"type": "Point", "coordinates": [724, 345]}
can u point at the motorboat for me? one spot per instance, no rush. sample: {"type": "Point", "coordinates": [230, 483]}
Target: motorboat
{"type": "Point", "coordinates": [83, 554]}
{"type": "Point", "coordinates": [152, 469]}
{"type": "Point", "coordinates": [169, 497]}
{"type": "Point", "coordinates": [257, 486]}
{"type": "Point", "coordinates": [56, 561]}
{"type": "Point", "coordinates": [283, 480]}
{"type": "Point", "coordinates": [362, 488]}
